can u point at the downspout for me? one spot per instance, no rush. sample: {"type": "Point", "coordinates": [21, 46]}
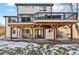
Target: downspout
{"type": "Point", "coordinates": [51, 10]}
{"type": "Point", "coordinates": [77, 10]}
{"type": "Point", "coordinates": [71, 7]}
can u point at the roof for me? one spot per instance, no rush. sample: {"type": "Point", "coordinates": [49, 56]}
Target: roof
{"type": "Point", "coordinates": [34, 4]}
{"type": "Point", "coordinates": [9, 16]}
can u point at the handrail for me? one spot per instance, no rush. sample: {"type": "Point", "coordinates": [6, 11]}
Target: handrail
{"type": "Point", "coordinates": [55, 12]}
{"type": "Point", "coordinates": [69, 16]}
{"type": "Point", "coordinates": [51, 15]}
{"type": "Point", "coordinates": [65, 15]}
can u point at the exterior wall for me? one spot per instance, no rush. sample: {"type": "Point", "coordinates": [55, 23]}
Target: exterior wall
{"type": "Point", "coordinates": [8, 31]}
{"type": "Point", "coordinates": [14, 35]}
{"type": "Point", "coordinates": [30, 29]}
{"type": "Point", "coordinates": [49, 34]}
{"type": "Point", "coordinates": [67, 31]}
{"type": "Point", "coordinates": [32, 9]}
{"type": "Point", "coordinates": [7, 28]}
{"type": "Point", "coordinates": [34, 32]}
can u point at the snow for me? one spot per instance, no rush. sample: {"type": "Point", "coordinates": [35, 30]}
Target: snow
{"type": "Point", "coordinates": [26, 48]}
{"type": "Point", "coordinates": [15, 44]}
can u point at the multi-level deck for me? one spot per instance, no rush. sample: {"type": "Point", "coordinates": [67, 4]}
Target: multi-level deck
{"type": "Point", "coordinates": [44, 20]}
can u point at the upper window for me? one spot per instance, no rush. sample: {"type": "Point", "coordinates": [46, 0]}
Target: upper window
{"type": "Point", "coordinates": [43, 9]}
{"type": "Point", "coordinates": [26, 19]}
{"type": "Point", "coordinates": [13, 20]}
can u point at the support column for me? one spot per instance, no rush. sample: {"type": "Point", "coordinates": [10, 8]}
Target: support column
{"type": "Point", "coordinates": [11, 33]}
{"type": "Point", "coordinates": [37, 33]}
{"type": "Point", "coordinates": [43, 33]}
{"type": "Point", "coordinates": [71, 31]}
{"type": "Point", "coordinates": [17, 32]}
{"type": "Point", "coordinates": [54, 34]}
{"type": "Point", "coordinates": [21, 32]}
{"type": "Point", "coordinates": [32, 33]}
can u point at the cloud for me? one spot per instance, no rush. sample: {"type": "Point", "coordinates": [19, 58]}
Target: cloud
{"type": "Point", "coordinates": [63, 7]}
{"type": "Point", "coordinates": [10, 4]}
{"type": "Point", "coordinates": [2, 20]}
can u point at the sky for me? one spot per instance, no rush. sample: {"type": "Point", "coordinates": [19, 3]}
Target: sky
{"type": "Point", "coordinates": [9, 9]}
{"type": "Point", "coordinates": [6, 9]}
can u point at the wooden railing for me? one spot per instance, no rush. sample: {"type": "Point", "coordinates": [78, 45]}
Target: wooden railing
{"type": "Point", "coordinates": [56, 15]}
{"type": "Point", "coordinates": [48, 15]}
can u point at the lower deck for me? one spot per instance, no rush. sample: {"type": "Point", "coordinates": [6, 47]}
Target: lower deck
{"type": "Point", "coordinates": [41, 29]}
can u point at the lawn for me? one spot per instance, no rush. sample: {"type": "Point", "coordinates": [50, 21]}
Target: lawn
{"type": "Point", "coordinates": [2, 30]}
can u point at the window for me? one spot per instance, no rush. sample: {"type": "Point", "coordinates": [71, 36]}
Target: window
{"type": "Point", "coordinates": [26, 19]}
{"type": "Point", "coordinates": [14, 31]}
{"type": "Point", "coordinates": [13, 20]}
{"type": "Point", "coordinates": [43, 9]}
{"type": "Point", "coordinates": [23, 19]}
{"type": "Point", "coordinates": [33, 7]}
{"type": "Point", "coordinates": [27, 6]}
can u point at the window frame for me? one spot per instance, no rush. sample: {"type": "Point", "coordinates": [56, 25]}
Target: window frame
{"type": "Point", "coordinates": [13, 31]}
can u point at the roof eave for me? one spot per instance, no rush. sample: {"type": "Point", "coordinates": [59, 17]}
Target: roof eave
{"type": "Point", "coordinates": [34, 4]}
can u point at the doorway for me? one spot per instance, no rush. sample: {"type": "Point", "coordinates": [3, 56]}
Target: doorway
{"type": "Point", "coordinates": [39, 33]}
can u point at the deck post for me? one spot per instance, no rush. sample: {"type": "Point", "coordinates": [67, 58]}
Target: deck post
{"type": "Point", "coordinates": [17, 32]}
{"type": "Point", "coordinates": [43, 33]}
{"type": "Point", "coordinates": [21, 33]}
{"type": "Point", "coordinates": [54, 34]}
{"type": "Point", "coordinates": [37, 33]}
{"type": "Point", "coordinates": [71, 31]}
{"type": "Point", "coordinates": [32, 33]}
{"type": "Point", "coordinates": [11, 33]}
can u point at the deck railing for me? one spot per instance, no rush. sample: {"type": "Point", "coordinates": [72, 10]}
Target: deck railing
{"type": "Point", "coordinates": [47, 15]}
{"type": "Point", "coordinates": [56, 15]}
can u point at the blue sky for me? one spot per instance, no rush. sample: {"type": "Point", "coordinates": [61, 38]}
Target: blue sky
{"type": "Point", "coordinates": [6, 10]}
{"type": "Point", "coordinates": [9, 9]}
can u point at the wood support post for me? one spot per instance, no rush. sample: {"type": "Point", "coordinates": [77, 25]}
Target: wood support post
{"type": "Point", "coordinates": [37, 33]}
{"type": "Point", "coordinates": [71, 31]}
{"type": "Point", "coordinates": [32, 33]}
{"type": "Point", "coordinates": [17, 32]}
{"type": "Point", "coordinates": [21, 32]}
{"type": "Point", "coordinates": [54, 34]}
{"type": "Point", "coordinates": [43, 33]}
{"type": "Point", "coordinates": [11, 33]}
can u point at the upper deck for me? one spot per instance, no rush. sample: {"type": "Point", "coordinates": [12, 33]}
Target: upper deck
{"type": "Point", "coordinates": [43, 16]}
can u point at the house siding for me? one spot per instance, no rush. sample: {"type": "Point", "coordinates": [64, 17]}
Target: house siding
{"type": "Point", "coordinates": [32, 9]}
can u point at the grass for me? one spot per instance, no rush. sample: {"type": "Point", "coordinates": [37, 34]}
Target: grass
{"type": "Point", "coordinates": [2, 31]}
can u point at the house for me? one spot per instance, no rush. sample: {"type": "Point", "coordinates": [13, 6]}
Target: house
{"type": "Point", "coordinates": [38, 21]}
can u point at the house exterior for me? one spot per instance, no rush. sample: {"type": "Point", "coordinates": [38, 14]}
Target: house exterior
{"type": "Point", "coordinates": [38, 21]}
